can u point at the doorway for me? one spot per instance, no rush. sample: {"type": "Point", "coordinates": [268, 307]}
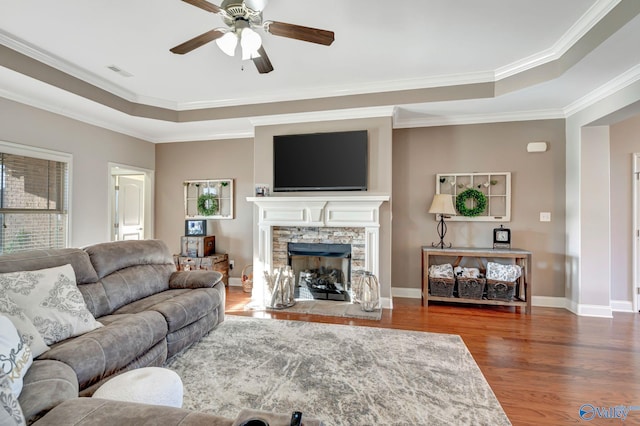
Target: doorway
{"type": "Point", "coordinates": [130, 203]}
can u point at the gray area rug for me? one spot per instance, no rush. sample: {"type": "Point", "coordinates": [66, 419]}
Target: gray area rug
{"type": "Point", "coordinates": [344, 375]}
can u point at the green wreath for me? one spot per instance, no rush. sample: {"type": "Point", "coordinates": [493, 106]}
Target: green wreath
{"type": "Point", "coordinates": [207, 205]}
{"type": "Point", "coordinates": [480, 202]}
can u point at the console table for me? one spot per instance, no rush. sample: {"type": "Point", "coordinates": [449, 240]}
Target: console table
{"type": "Point", "coordinates": [479, 257]}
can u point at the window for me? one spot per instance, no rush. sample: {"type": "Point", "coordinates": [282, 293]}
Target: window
{"type": "Point", "coordinates": [34, 188]}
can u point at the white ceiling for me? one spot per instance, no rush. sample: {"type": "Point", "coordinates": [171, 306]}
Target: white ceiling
{"type": "Point", "coordinates": [379, 47]}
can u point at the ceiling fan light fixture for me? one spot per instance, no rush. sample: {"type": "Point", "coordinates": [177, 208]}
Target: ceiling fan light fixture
{"type": "Point", "coordinates": [227, 43]}
{"type": "Point", "coordinates": [250, 42]}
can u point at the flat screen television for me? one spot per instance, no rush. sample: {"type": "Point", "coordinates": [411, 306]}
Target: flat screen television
{"type": "Point", "coordinates": [335, 161]}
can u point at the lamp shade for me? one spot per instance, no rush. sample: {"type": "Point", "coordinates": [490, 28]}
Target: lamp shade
{"type": "Point", "coordinates": [442, 204]}
{"type": "Point", "coordinates": [227, 43]}
{"type": "Point", "coordinates": [250, 42]}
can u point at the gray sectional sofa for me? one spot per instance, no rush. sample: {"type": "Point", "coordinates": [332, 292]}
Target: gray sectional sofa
{"type": "Point", "coordinates": [149, 313]}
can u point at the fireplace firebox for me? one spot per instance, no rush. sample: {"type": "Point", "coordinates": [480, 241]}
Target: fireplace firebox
{"type": "Point", "coordinates": [322, 271]}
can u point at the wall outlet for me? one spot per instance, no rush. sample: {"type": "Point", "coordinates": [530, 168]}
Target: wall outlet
{"type": "Point", "coordinates": [545, 217]}
{"type": "Point", "coordinates": [232, 263]}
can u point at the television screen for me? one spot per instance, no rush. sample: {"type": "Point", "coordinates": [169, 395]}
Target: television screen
{"type": "Point", "coordinates": [321, 162]}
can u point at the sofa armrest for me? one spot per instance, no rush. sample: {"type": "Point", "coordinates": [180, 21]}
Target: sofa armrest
{"type": "Point", "coordinates": [194, 279]}
{"type": "Point", "coordinates": [46, 384]}
{"type": "Point", "coordinates": [94, 411]}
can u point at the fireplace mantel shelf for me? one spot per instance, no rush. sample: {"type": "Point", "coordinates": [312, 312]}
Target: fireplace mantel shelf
{"type": "Point", "coordinates": [315, 198]}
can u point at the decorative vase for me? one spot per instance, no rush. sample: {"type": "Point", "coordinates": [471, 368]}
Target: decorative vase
{"type": "Point", "coordinates": [280, 287]}
{"type": "Point", "coordinates": [369, 290]}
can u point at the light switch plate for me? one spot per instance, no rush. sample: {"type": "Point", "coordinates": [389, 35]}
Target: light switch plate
{"type": "Point", "coordinates": [545, 216]}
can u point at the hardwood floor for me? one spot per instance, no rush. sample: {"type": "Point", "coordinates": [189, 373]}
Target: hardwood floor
{"type": "Point", "coordinates": [542, 367]}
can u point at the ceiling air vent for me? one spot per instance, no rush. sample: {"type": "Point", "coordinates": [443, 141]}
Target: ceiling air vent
{"type": "Point", "coordinates": [119, 71]}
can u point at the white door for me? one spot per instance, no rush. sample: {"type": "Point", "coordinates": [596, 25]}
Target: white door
{"type": "Point", "coordinates": [129, 206]}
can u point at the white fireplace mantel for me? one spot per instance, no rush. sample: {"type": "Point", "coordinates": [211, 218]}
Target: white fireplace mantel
{"type": "Point", "coordinates": [318, 211]}
{"type": "Point", "coordinates": [354, 210]}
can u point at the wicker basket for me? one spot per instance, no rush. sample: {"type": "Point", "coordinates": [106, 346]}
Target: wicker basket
{"type": "Point", "coordinates": [500, 290]}
{"type": "Point", "coordinates": [441, 287]}
{"type": "Point", "coordinates": [471, 288]}
{"type": "Point", "coordinates": [247, 278]}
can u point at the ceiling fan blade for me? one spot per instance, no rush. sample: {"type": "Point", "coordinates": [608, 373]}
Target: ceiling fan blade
{"type": "Point", "coordinates": [263, 63]}
{"type": "Point", "coordinates": [198, 41]}
{"type": "Point", "coordinates": [312, 35]}
{"type": "Point", "coordinates": [209, 7]}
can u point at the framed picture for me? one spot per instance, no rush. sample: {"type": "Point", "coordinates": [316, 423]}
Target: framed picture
{"type": "Point", "coordinates": [195, 228]}
{"type": "Point", "coordinates": [262, 190]}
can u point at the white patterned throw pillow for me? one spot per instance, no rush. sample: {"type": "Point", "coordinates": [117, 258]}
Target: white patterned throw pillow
{"type": "Point", "coordinates": [15, 355]}
{"type": "Point", "coordinates": [51, 299]}
{"type": "Point", "coordinates": [10, 410]}
{"type": "Point", "coordinates": [25, 327]}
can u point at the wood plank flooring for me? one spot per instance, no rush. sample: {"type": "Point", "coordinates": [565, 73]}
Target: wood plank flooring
{"type": "Point", "coordinates": [542, 367]}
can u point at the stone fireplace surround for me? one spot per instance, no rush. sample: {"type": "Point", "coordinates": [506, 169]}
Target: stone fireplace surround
{"type": "Point", "coordinates": [351, 214]}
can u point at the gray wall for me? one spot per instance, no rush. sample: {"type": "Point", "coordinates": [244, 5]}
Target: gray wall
{"type": "Point", "coordinates": [92, 149]}
{"type": "Point", "coordinates": [537, 185]}
{"type": "Point", "coordinates": [624, 142]}
{"type": "Point", "coordinates": [220, 159]}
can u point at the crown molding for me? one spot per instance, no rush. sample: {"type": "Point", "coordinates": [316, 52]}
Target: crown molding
{"type": "Point", "coordinates": [616, 84]}
{"type": "Point", "coordinates": [581, 27]}
{"type": "Point", "coordinates": [332, 115]}
{"type": "Point", "coordinates": [407, 123]}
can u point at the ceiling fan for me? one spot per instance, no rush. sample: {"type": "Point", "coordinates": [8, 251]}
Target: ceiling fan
{"type": "Point", "coordinates": [241, 17]}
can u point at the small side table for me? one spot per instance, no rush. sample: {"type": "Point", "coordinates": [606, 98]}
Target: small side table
{"type": "Point", "coordinates": [217, 262]}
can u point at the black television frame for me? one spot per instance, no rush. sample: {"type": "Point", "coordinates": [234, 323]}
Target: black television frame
{"type": "Point", "coordinates": [355, 143]}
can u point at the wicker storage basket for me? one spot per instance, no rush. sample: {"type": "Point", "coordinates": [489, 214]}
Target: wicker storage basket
{"type": "Point", "coordinates": [247, 278]}
{"type": "Point", "coordinates": [471, 288]}
{"type": "Point", "coordinates": [441, 287]}
{"type": "Point", "coordinates": [500, 290]}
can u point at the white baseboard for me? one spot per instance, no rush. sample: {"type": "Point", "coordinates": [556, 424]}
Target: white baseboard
{"type": "Point", "coordinates": [621, 306]}
{"type": "Point", "coordinates": [411, 293]}
{"type": "Point", "coordinates": [235, 281]}
{"type": "Point", "coordinates": [549, 302]}
{"type": "Point", "coordinates": [583, 310]}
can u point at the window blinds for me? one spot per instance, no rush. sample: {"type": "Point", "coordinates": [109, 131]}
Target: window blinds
{"type": "Point", "coordinates": [33, 203]}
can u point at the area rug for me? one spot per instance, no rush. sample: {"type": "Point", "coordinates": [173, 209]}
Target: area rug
{"type": "Point", "coordinates": [332, 308]}
{"type": "Point", "coordinates": [344, 375]}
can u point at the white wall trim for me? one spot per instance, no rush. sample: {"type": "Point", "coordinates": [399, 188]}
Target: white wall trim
{"type": "Point", "coordinates": [622, 306]}
{"type": "Point", "coordinates": [549, 302]}
{"type": "Point", "coordinates": [235, 282]}
{"type": "Point", "coordinates": [410, 293]}
{"type": "Point", "coordinates": [598, 311]}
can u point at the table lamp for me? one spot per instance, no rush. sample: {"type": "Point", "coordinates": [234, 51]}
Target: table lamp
{"type": "Point", "coordinates": [442, 205]}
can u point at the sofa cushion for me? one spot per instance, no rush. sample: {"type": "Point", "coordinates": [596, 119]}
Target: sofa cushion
{"type": "Point", "coordinates": [179, 307]}
{"type": "Point", "coordinates": [47, 384]}
{"type": "Point", "coordinates": [108, 349]}
{"type": "Point", "coordinates": [135, 283]}
{"type": "Point", "coordinates": [15, 355]}
{"type": "Point", "coordinates": [39, 259]}
{"type": "Point", "coordinates": [51, 299]}
{"type": "Point", "coordinates": [110, 257]}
